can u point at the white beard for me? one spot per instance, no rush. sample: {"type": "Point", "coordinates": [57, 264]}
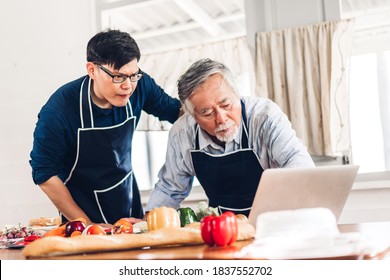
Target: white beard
{"type": "Point", "coordinates": [228, 136]}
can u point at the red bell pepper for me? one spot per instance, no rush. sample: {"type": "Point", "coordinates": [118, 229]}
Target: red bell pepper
{"type": "Point", "coordinates": [31, 238]}
{"type": "Point", "coordinates": [219, 230]}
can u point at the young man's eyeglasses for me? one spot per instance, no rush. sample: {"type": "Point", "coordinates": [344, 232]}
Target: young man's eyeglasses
{"type": "Point", "coordinates": [121, 78]}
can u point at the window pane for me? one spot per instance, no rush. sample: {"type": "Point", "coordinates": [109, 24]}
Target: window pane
{"type": "Point", "coordinates": [158, 146]}
{"type": "Point", "coordinates": [149, 149]}
{"type": "Point", "coordinates": [366, 130]}
{"type": "Point", "coordinates": [140, 160]}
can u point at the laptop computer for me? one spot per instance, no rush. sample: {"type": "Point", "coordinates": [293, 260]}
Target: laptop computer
{"type": "Point", "coordinates": [295, 188]}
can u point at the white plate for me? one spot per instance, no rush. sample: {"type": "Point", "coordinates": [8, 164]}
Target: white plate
{"type": "Point", "coordinates": [8, 242]}
{"type": "Point", "coordinates": [313, 248]}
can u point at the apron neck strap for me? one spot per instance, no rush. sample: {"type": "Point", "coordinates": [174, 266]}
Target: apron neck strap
{"type": "Point", "coordinates": [244, 133]}
{"type": "Point", "coordinates": [196, 137]}
{"type": "Point", "coordinates": [129, 110]}
{"type": "Point", "coordinates": [86, 104]}
{"type": "Point", "coordinates": [86, 112]}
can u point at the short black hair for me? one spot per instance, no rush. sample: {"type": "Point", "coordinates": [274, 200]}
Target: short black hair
{"type": "Point", "coordinates": [112, 47]}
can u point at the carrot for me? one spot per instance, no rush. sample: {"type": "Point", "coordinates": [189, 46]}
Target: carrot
{"type": "Point", "coordinates": [59, 231]}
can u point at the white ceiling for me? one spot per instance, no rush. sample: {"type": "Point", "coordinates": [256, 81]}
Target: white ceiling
{"type": "Point", "coordinates": [159, 25]}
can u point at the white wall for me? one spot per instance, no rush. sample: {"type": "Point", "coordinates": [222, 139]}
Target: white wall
{"type": "Point", "coordinates": [42, 46]}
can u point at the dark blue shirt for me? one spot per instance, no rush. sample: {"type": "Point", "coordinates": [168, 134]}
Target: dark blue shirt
{"type": "Point", "coordinates": [55, 135]}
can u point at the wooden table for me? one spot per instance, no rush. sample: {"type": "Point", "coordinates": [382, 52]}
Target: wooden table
{"type": "Point", "coordinates": [203, 251]}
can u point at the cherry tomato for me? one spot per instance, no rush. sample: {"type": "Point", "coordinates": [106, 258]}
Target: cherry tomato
{"type": "Point", "coordinates": [123, 225]}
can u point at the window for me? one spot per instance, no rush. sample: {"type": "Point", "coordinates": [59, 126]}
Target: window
{"type": "Point", "coordinates": [370, 90]}
{"type": "Point", "coordinates": [369, 106]}
{"type": "Point", "coordinates": [149, 149]}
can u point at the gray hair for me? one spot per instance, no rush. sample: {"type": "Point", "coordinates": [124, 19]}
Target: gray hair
{"type": "Point", "coordinates": [197, 74]}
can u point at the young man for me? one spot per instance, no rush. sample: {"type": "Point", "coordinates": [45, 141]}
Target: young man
{"type": "Point", "coordinates": [81, 156]}
{"type": "Point", "coordinates": [225, 140]}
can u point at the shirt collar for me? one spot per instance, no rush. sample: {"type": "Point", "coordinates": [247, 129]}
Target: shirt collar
{"type": "Point", "coordinates": [205, 140]}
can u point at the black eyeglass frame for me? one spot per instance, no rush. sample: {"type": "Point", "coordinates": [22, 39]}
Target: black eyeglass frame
{"type": "Point", "coordinates": [118, 79]}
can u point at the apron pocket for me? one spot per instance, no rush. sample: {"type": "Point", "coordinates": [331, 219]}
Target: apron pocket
{"type": "Point", "coordinates": [115, 202]}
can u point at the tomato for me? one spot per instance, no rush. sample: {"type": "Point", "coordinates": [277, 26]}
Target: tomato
{"type": "Point", "coordinates": [123, 225]}
{"type": "Point", "coordinates": [94, 230]}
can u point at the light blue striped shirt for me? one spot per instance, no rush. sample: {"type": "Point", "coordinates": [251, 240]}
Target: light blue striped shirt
{"type": "Point", "coordinates": [270, 136]}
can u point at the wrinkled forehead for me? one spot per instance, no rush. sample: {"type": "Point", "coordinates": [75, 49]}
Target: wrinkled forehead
{"type": "Point", "coordinates": [212, 98]}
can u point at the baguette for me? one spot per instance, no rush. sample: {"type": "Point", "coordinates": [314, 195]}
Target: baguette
{"type": "Point", "coordinates": [55, 245]}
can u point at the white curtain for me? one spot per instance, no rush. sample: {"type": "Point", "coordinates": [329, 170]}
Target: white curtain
{"type": "Point", "coordinates": [305, 71]}
{"type": "Point", "coordinates": [167, 67]}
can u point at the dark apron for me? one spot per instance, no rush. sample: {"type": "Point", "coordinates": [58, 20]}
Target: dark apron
{"type": "Point", "coordinates": [229, 180]}
{"type": "Point", "coordinates": [101, 181]}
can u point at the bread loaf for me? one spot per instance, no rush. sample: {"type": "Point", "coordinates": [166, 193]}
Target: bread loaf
{"type": "Point", "coordinates": [44, 222]}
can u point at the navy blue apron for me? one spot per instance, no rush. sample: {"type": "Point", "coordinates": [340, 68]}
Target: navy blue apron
{"type": "Point", "coordinates": [229, 180]}
{"type": "Point", "coordinates": [101, 181]}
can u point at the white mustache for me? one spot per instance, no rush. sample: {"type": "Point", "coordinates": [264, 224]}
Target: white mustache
{"type": "Point", "coordinates": [224, 126]}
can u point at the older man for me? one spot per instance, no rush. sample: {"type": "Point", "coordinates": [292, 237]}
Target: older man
{"type": "Point", "coordinates": [225, 140]}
